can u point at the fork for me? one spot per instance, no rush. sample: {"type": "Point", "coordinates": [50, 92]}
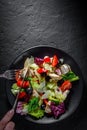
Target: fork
{"type": "Point", "coordinates": [16, 100]}
{"type": "Point", "coordinates": [9, 74]}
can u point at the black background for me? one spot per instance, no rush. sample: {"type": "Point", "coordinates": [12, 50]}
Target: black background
{"type": "Point", "coordinates": [59, 23]}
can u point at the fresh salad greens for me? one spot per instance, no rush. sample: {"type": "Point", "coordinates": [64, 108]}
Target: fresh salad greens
{"type": "Point", "coordinates": [45, 88]}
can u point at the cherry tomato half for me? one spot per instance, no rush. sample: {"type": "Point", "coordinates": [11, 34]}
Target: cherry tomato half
{"type": "Point", "coordinates": [66, 85]}
{"type": "Point", "coordinates": [54, 61]}
{"type": "Point", "coordinates": [22, 95]}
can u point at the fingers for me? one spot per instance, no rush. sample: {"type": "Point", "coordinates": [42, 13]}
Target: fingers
{"type": "Point", "coordinates": [10, 126]}
{"type": "Point", "coordinates": [6, 119]}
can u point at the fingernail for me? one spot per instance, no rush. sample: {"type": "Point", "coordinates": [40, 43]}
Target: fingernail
{"type": "Point", "coordinates": [12, 111]}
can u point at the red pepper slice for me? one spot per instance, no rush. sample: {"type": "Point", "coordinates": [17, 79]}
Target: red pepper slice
{"type": "Point", "coordinates": [22, 95]}
{"type": "Point", "coordinates": [23, 84]}
{"type": "Point", "coordinates": [41, 70]}
{"type": "Point", "coordinates": [19, 82]}
{"type": "Point", "coordinates": [47, 59]}
{"type": "Point", "coordinates": [54, 61]}
{"type": "Point", "coordinates": [66, 85]}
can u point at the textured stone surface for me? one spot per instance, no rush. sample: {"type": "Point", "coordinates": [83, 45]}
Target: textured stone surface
{"type": "Point", "coordinates": [27, 23]}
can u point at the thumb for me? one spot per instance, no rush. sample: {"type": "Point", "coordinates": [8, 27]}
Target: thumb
{"type": "Point", "coordinates": [8, 116]}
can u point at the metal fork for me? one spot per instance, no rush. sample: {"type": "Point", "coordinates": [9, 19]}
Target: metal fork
{"type": "Point", "coordinates": [16, 100]}
{"type": "Point", "coordinates": [9, 74]}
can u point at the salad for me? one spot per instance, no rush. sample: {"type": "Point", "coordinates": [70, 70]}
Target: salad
{"type": "Point", "coordinates": [43, 86]}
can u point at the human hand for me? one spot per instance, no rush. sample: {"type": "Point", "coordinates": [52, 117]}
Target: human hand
{"type": "Point", "coordinates": [5, 123]}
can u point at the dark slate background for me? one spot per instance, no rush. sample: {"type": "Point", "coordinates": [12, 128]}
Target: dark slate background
{"type": "Point", "coordinates": [59, 23]}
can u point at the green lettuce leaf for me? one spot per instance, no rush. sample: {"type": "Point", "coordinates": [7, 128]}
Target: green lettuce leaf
{"type": "Point", "coordinates": [70, 76]}
{"type": "Point", "coordinates": [33, 104]}
{"type": "Point", "coordinates": [15, 89]}
{"type": "Point", "coordinates": [37, 114]}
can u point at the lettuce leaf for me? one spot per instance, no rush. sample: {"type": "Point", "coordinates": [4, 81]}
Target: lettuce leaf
{"type": "Point", "coordinates": [70, 76]}
{"type": "Point", "coordinates": [37, 114]}
{"type": "Point", "coordinates": [15, 89]}
{"type": "Point", "coordinates": [33, 104]}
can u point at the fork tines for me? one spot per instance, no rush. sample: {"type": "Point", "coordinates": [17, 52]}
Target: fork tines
{"type": "Point", "coordinates": [11, 74]}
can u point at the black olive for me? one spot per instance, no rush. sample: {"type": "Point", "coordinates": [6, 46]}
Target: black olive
{"type": "Point", "coordinates": [43, 106]}
{"type": "Point", "coordinates": [29, 90]}
{"type": "Point", "coordinates": [59, 83]}
{"type": "Point", "coordinates": [47, 78]}
{"type": "Point", "coordinates": [43, 74]}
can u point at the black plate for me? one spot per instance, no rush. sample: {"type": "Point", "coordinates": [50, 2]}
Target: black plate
{"type": "Point", "coordinates": [75, 94]}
